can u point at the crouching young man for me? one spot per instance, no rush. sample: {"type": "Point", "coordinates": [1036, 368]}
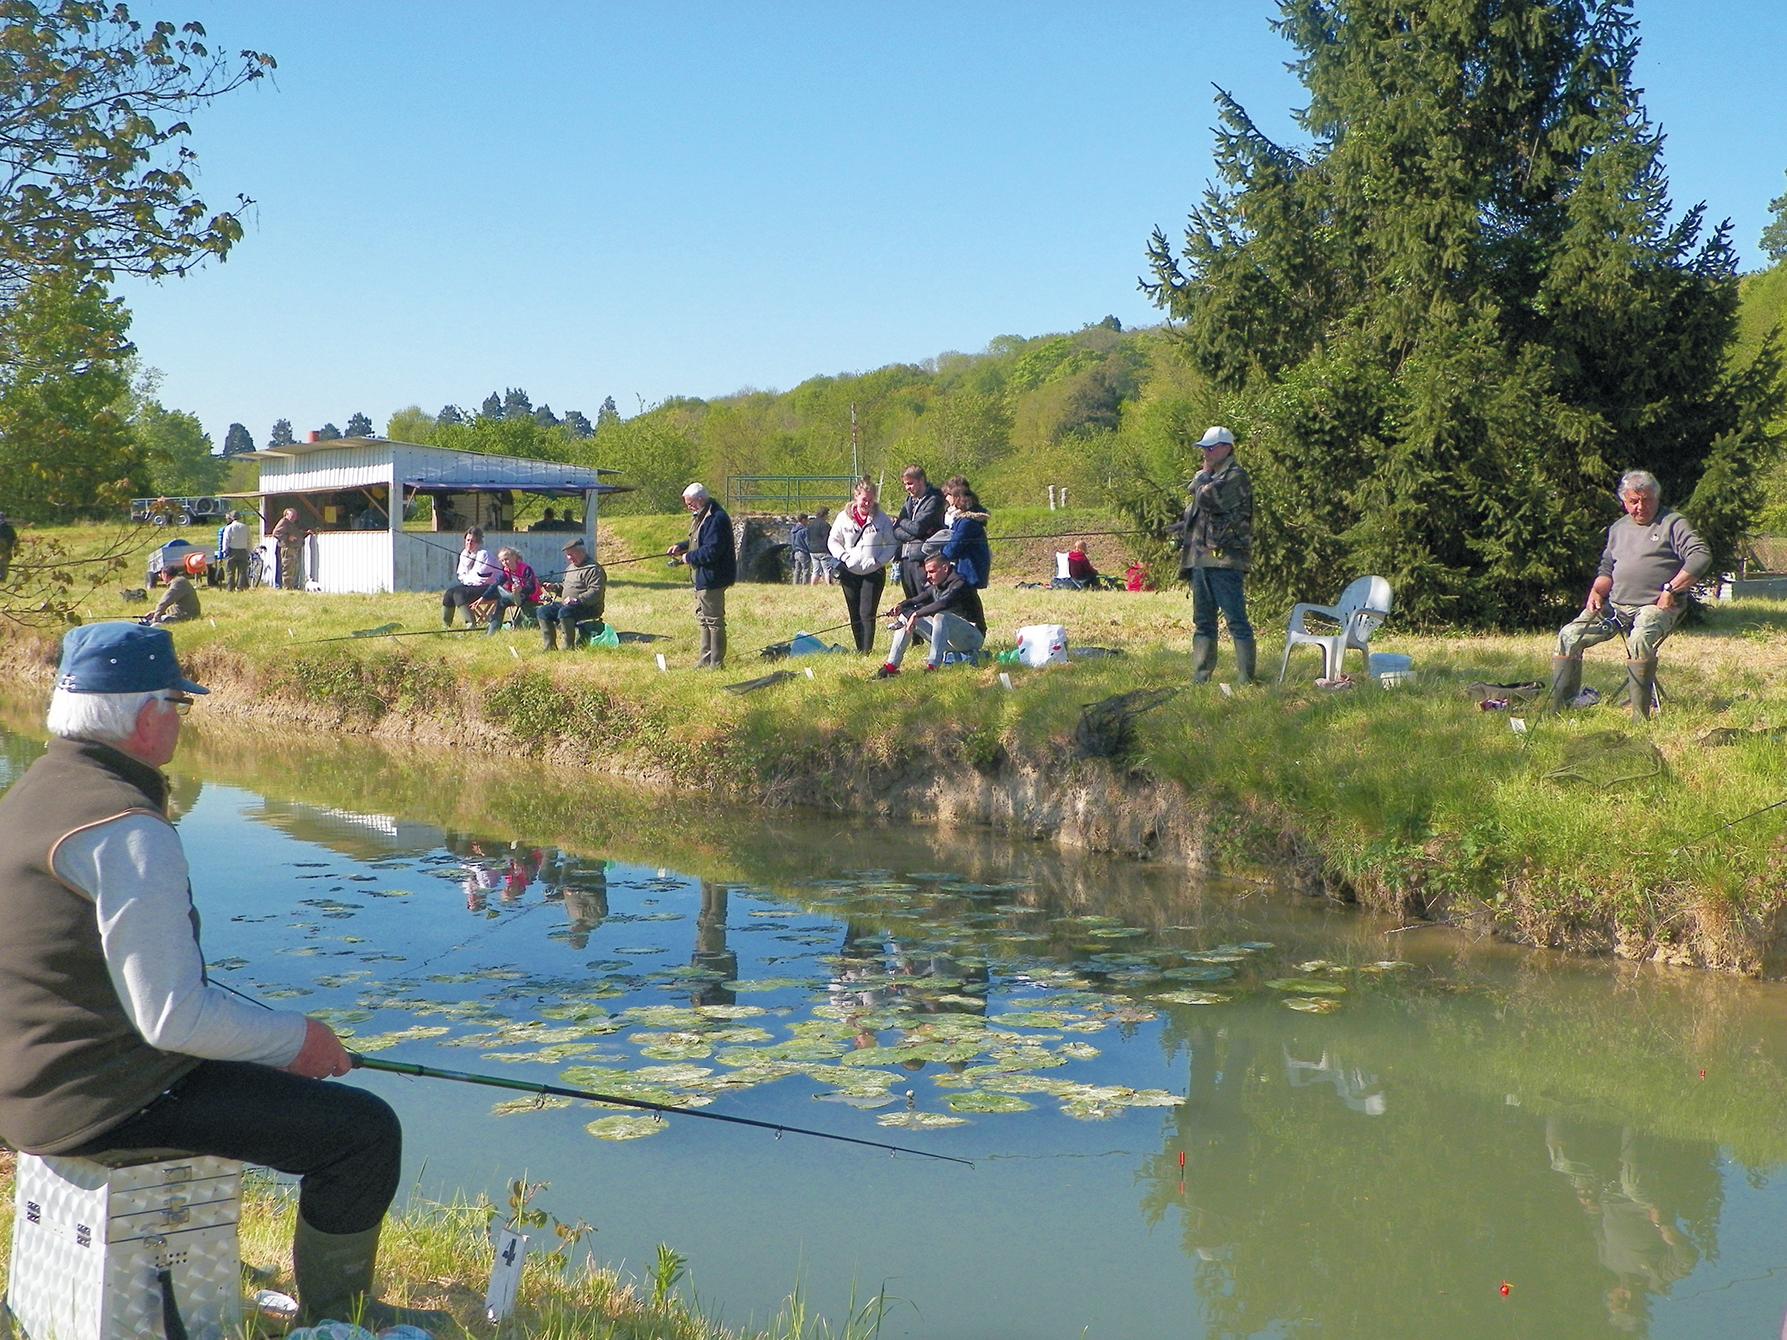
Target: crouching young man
{"type": "Point", "coordinates": [111, 1038]}
{"type": "Point", "coordinates": [946, 614]}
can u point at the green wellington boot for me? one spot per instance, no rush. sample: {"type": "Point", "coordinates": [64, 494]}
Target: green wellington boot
{"type": "Point", "coordinates": [1203, 659]}
{"type": "Point", "coordinates": [334, 1273]}
{"type": "Point", "coordinates": [1566, 681]}
{"type": "Point", "coordinates": [1641, 683]}
{"type": "Point", "coordinates": [1245, 661]}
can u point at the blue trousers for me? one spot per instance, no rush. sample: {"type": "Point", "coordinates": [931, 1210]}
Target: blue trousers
{"type": "Point", "coordinates": [1214, 589]}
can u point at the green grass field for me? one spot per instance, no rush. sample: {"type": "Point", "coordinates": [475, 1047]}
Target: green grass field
{"type": "Point", "coordinates": [1409, 799]}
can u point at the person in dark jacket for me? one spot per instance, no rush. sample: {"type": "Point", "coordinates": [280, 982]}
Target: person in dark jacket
{"type": "Point", "coordinates": [710, 555]}
{"type": "Point", "coordinates": [921, 516]}
{"type": "Point", "coordinates": [9, 539]}
{"type": "Point", "coordinates": [947, 614]}
{"type": "Point", "coordinates": [111, 1037]}
{"type": "Point", "coordinates": [1215, 554]}
{"type": "Point", "coordinates": [964, 544]}
{"type": "Point", "coordinates": [800, 551]}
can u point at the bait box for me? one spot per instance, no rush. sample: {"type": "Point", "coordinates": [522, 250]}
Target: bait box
{"type": "Point", "coordinates": [89, 1239]}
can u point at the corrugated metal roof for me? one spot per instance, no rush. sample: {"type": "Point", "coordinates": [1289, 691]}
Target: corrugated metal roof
{"type": "Point", "coordinates": [295, 449]}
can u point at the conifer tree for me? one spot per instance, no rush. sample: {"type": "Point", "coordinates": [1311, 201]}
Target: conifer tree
{"type": "Point", "coordinates": [282, 434]}
{"type": "Point", "coordinates": [1449, 321]}
{"type": "Point", "coordinates": [237, 440]}
{"type": "Point", "coordinates": [359, 425]}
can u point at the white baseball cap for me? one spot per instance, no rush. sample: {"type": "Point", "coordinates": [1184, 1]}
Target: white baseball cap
{"type": "Point", "coordinates": [1217, 437]}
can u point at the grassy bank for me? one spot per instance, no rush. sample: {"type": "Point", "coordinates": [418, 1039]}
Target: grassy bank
{"type": "Point", "coordinates": [439, 1256]}
{"type": "Point", "coordinates": [1411, 801]}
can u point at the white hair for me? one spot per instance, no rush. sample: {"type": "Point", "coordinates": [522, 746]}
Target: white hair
{"type": "Point", "coordinates": [105, 718]}
{"type": "Point", "coordinates": [1640, 481]}
{"type": "Point", "coordinates": [697, 491]}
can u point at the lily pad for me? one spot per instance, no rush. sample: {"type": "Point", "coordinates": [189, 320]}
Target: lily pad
{"type": "Point", "coordinates": [1079, 1051]}
{"type": "Point", "coordinates": [730, 1011]}
{"type": "Point", "coordinates": [920, 1120]}
{"type": "Point", "coordinates": [624, 1128]}
{"type": "Point", "coordinates": [1211, 973]}
{"type": "Point", "coordinates": [978, 1100]}
{"type": "Point", "coordinates": [1307, 986]}
{"type": "Point", "coordinates": [1035, 1019]}
{"type": "Point", "coordinates": [1193, 997]}
{"type": "Point", "coordinates": [517, 1106]}
{"type": "Point", "coordinates": [1313, 1004]}
{"type": "Point", "coordinates": [865, 1101]}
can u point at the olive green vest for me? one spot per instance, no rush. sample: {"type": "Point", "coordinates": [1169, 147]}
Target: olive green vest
{"type": "Point", "coordinates": [71, 1062]}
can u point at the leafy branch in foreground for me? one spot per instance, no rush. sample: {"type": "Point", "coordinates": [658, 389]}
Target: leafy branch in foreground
{"type": "Point", "coordinates": [49, 579]}
{"type": "Point", "coordinates": [95, 172]}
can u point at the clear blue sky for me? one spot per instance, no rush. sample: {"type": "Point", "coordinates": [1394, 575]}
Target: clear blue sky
{"type": "Point", "coordinates": [647, 200]}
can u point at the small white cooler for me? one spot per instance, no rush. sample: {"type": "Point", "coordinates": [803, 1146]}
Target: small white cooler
{"type": "Point", "coordinates": [90, 1239]}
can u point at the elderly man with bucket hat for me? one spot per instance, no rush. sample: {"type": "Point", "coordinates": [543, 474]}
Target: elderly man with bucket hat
{"type": "Point", "coordinates": [111, 1038]}
{"type": "Point", "coordinates": [1215, 553]}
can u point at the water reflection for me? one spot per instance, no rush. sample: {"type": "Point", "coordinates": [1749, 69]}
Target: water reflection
{"type": "Point", "coordinates": [1466, 1116]}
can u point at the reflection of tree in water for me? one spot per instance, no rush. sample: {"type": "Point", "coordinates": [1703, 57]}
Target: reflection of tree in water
{"type": "Point", "coordinates": [1304, 1215]}
{"type": "Point", "coordinates": [711, 952]}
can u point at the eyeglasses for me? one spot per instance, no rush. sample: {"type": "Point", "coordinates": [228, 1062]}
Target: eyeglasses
{"type": "Point", "coordinates": [179, 702]}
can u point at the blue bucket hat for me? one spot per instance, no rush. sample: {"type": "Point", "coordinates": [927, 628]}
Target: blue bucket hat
{"type": "Point", "coordinates": [120, 658]}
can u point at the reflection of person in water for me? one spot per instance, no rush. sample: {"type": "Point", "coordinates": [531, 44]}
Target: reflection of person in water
{"type": "Point", "coordinates": [1633, 1212]}
{"type": "Point", "coordinates": [583, 885]}
{"type": "Point", "coordinates": [1211, 1131]}
{"type": "Point", "coordinates": [710, 949]}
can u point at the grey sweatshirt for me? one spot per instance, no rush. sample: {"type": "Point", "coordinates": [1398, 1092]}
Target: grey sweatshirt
{"type": "Point", "coordinates": [1640, 559]}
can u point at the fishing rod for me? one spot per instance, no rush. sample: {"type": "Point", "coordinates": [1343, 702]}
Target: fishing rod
{"type": "Point", "coordinates": [373, 632]}
{"type": "Point", "coordinates": [558, 1091]}
{"type": "Point", "coordinates": [1722, 827]}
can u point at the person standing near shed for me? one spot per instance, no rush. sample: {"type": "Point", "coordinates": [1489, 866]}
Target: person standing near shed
{"type": "Point", "coordinates": [1215, 553]}
{"type": "Point", "coordinates": [288, 536]}
{"type": "Point", "coordinates": [235, 553]}
{"type": "Point", "coordinates": [710, 555]}
{"type": "Point", "coordinates": [111, 1038]}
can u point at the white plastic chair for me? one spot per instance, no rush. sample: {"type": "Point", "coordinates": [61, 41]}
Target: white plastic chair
{"type": "Point", "coordinates": [1061, 572]}
{"type": "Point", "coordinates": [1364, 605]}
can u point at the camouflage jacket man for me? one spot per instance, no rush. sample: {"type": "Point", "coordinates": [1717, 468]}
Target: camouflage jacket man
{"type": "Point", "coordinates": [1217, 528]}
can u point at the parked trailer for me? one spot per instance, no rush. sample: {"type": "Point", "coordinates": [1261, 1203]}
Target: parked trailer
{"type": "Point", "coordinates": [177, 511]}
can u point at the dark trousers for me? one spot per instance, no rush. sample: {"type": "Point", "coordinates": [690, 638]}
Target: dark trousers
{"type": "Point", "coordinates": [344, 1143]}
{"type": "Point", "coordinates": [235, 567]}
{"type": "Point", "coordinates": [862, 598]}
{"type": "Point", "coordinates": [912, 575]}
{"type": "Point", "coordinates": [1214, 589]}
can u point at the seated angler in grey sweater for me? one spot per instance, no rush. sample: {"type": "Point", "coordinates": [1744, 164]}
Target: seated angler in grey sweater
{"type": "Point", "coordinates": [1641, 559]}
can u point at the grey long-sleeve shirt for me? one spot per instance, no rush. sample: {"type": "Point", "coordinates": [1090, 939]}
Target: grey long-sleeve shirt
{"type": "Point", "coordinates": [135, 871]}
{"type": "Point", "coordinates": [1640, 559]}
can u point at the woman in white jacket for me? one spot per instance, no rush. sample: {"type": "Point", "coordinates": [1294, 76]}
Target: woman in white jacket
{"type": "Point", "coordinates": [862, 540]}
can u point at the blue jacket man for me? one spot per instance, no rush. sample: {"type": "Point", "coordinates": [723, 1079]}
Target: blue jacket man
{"type": "Point", "coordinates": [711, 558]}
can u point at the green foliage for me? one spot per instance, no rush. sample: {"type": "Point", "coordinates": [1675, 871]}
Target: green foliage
{"type": "Point", "coordinates": [178, 452]}
{"type": "Point", "coordinates": [237, 440]}
{"type": "Point", "coordinates": [1451, 320]}
{"type": "Point", "coordinates": [1774, 237]}
{"type": "Point", "coordinates": [411, 424]}
{"type": "Point", "coordinates": [281, 436]}
{"type": "Point", "coordinates": [504, 437]}
{"type": "Point", "coordinates": [65, 450]}
{"type": "Point", "coordinates": [667, 1269]}
{"type": "Point", "coordinates": [358, 425]}
{"type": "Point", "coordinates": [98, 173]}
{"type": "Point", "coordinates": [656, 453]}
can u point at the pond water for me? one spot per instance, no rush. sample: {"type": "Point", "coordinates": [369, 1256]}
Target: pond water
{"type": "Point", "coordinates": [1192, 1110]}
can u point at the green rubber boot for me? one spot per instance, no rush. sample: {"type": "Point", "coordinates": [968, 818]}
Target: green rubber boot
{"type": "Point", "coordinates": [1566, 681]}
{"type": "Point", "coordinates": [334, 1273]}
{"type": "Point", "coordinates": [1245, 662]}
{"type": "Point", "coordinates": [1641, 683]}
{"type": "Point", "coordinates": [1203, 659]}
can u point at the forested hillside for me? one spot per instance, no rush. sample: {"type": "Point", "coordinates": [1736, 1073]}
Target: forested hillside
{"type": "Point", "coordinates": [1082, 411]}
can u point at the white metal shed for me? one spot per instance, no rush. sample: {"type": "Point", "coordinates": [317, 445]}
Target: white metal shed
{"type": "Point", "coordinates": [343, 490]}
